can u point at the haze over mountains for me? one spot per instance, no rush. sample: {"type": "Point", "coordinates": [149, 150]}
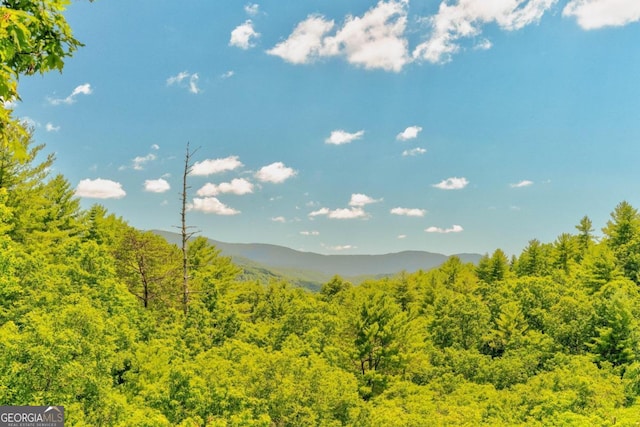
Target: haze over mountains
{"type": "Point", "coordinates": [312, 269]}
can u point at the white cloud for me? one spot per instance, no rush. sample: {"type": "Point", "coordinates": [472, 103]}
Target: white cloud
{"type": "Point", "coordinates": [279, 219]}
{"type": "Point", "coordinates": [413, 152]}
{"type": "Point", "coordinates": [524, 183]}
{"type": "Point", "coordinates": [339, 248]}
{"type": "Point", "coordinates": [252, 9]}
{"type": "Point", "coordinates": [156, 185]}
{"type": "Point", "coordinates": [9, 104]}
{"type": "Point", "coordinates": [213, 166]}
{"type": "Point", "coordinates": [319, 212]}
{"type": "Point", "coordinates": [454, 229]}
{"type": "Point", "coordinates": [29, 122]}
{"type": "Point", "coordinates": [304, 44]}
{"type": "Point", "coordinates": [362, 200]}
{"type": "Point", "coordinates": [484, 44]}
{"type": "Point", "coordinates": [594, 14]}
{"type": "Point", "coordinates": [237, 186]}
{"type": "Point", "coordinates": [408, 212]}
{"type": "Point", "coordinates": [402, 236]}
{"type": "Point", "coordinates": [84, 89]}
{"type": "Point", "coordinates": [187, 80]}
{"type": "Point", "coordinates": [339, 137]}
{"type": "Point", "coordinates": [243, 35]}
{"type": "Point", "coordinates": [178, 78]}
{"type": "Point", "coordinates": [140, 161]}
{"type": "Point", "coordinates": [213, 206]}
{"type": "Point", "coordinates": [373, 41]}
{"type": "Point", "coordinates": [275, 173]}
{"type": "Point", "coordinates": [409, 133]}
{"type": "Point", "coordinates": [452, 184]}
{"type": "Point", "coordinates": [193, 84]}
{"type": "Point", "coordinates": [100, 189]}
{"type": "Point", "coordinates": [351, 213]}
{"type": "Point", "coordinates": [310, 233]}
{"type": "Point", "coordinates": [228, 74]}
{"type": "Point", "coordinates": [465, 19]}
{"type": "Point", "coordinates": [155, 147]}
{"type": "Point", "coordinates": [51, 128]}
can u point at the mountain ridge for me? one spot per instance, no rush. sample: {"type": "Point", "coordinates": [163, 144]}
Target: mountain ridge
{"type": "Point", "coordinates": [285, 261]}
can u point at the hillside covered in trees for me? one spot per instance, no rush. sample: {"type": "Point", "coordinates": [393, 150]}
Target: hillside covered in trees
{"type": "Point", "coordinates": [93, 314]}
{"type": "Point", "coordinates": [92, 317]}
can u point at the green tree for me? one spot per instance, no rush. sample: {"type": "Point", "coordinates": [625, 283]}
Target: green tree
{"type": "Point", "coordinates": [623, 236]}
{"type": "Point", "coordinates": [35, 38]}
{"type": "Point", "coordinates": [510, 327]}
{"type": "Point", "coordinates": [334, 287]}
{"type": "Point", "coordinates": [534, 260]}
{"type": "Point", "coordinates": [617, 337]}
{"type": "Point", "coordinates": [459, 320]}
{"type": "Point", "coordinates": [380, 332]}
{"type": "Point", "coordinates": [149, 267]}
{"type": "Point", "coordinates": [598, 267]}
{"type": "Point", "coordinates": [494, 269]}
{"type": "Point", "coordinates": [585, 236]}
{"type": "Point", "coordinates": [564, 252]}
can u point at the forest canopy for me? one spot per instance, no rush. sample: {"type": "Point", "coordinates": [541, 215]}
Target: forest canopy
{"type": "Point", "coordinates": [91, 318]}
{"type": "Point", "coordinates": [92, 315]}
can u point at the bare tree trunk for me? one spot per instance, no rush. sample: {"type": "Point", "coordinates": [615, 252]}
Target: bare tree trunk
{"type": "Point", "coordinates": [185, 234]}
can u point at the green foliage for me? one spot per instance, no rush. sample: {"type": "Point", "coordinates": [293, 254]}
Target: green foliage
{"type": "Point", "coordinates": [34, 38]}
{"type": "Point", "coordinates": [90, 319]}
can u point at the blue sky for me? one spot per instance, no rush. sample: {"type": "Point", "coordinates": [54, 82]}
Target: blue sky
{"type": "Point", "coordinates": [351, 126]}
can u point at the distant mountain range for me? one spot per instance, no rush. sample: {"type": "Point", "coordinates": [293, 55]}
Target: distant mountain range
{"type": "Point", "coordinates": [264, 262]}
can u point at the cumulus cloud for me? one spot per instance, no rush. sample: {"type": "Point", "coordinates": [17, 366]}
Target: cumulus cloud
{"type": "Point", "coordinates": [413, 152]}
{"type": "Point", "coordinates": [362, 200]}
{"type": "Point", "coordinates": [452, 184]}
{"type": "Point", "coordinates": [374, 40]}
{"type": "Point", "coordinates": [524, 183]}
{"type": "Point", "coordinates": [279, 219]}
{"type": "Point", "coordinates": [100, 189]}
{"type": "Point", "coordinates": [310, 233]}
{"type": "Point", "coordinates": [465, 18]}
{"type": "Point", "coordinates": [402, 236]}
{"type": "Point", "coordinates": [228, 74]}
{"type": "Point", "coordinates": [212, 205]}
{"type": "Point", "coordinates": [275, 172]}
{"type": "Point", "coordinates": [305, 43]}
{"type": "Point", "coordinates": [84, 89]}
{"type": "Point", "coordinates": [185, 79]}
{"type": "Point", "coordinates": [453, 229]}
{"type": "Point", "coordinates": [213, 166]}
{"type": "Point", "coordinates": [238, 186]}
{"type": "Point", "coordinates": [155, 147]}
{"type": "Point", "coordinates": [51, 128]}
{"type": "Point", "coordinates": [339, 137]}
{"type": "Point", "coordinates": [342, 213]}
{"type": "Point", "coordinates": [252, 9]}
{"type": "Point", "coordinates": [156, 185]}
{"type": "Point", "coordinates": [244, 35]}
{"type": "Point", "coordinates": [594, 14]}
{"type": "Point", "coordinates": [140, 161]}
{"type": "Point", "coordinates": [409, 133]}
{"type": "Point", "coordinates": [408, 212]}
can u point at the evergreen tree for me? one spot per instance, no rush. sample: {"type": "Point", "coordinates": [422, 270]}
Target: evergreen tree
{"type": "Point", "coordinates": [623, 237]}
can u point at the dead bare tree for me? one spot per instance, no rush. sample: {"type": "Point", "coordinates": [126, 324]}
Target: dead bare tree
{"type": "Point", "coordinates": [186, 234]}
